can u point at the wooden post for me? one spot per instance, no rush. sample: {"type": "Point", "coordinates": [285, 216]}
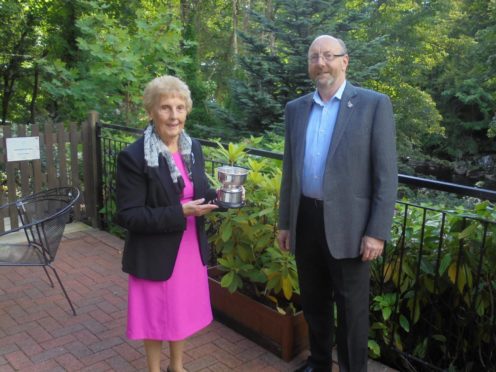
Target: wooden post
{"type": "Point", "coordinates": [37, 174]}
{"type": "Point", "coordinates": [74, 139]}
{"type": "Point", "coordinates": [61, 140]}
{"type": "Point", "coordinates": [11, 181]}
{"type": "Point", "coordinates": [91, 169]}
{"type": "Point", "coordinates": [52, 179]}
{"type": "Point", "coordinates": [24, 167]}
{"type": "Point", "coordinates": [3, 162]}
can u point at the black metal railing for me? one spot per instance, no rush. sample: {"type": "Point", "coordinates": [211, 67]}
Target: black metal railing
{"type": "Point", "coordinates": [433, 300]}
{"type": "Point", "coordinates": [437, 281]}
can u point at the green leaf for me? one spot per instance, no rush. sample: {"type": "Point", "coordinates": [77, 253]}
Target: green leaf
{"type": "Point", "coordinates": [468, 231]}
{"type": "Point", "coordinates": [480, 306]}
{"type": "Point", "coordinates": [374, 348]}
{"type": "Point", "coordinates": [440, 338]}
{"type": "Point", "coordinates": [226, 232]}
{"type": "Point", "coordinates": [404, 323]}
{"type": "Point", "coordinates": [257, 276]}
{"type": "Point", "coordinates": [386, 313]}
{"type": "Point", "coordinates": [445, 262]}
{"type": "Point", "coordinates": [227, 280]}
{"type": "Point", "coordinates": [416, 313]}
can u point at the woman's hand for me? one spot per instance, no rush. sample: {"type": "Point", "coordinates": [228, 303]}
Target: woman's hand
{"type": "Point", "coordinates": [197, 208]}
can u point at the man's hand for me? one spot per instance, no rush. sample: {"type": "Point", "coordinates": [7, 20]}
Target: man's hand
{"type": "Point", "coordinates": [371, 248]}
{"type": "Point", "coordinates": [283, 238]}
{"type": "Point", "coordinates": [197, 208]}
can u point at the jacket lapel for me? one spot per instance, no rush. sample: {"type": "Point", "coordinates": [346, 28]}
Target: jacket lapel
{"type": "Point", "coordinates": [163, 174]}
{"type": "Point", "coordinates": [347, 106]}
{"type": "Point", "coordinates": [195, 172]}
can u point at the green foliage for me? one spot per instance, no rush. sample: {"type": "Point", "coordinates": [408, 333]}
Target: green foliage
{"type": "Point", "coordinates": [23, 41]}
{"type": "Point", "coordinates": [392, 53]}
{"type": "Point", "coordinates": [245, 240]}
{"type": "Point", "coordinates": [116, 62]}
{"type": "Point", "coordinates": [416, 116]}
{"type": "Point", "coordinates": [273, 65]}
{"type": "Point", "coordinates": [245, 59]}
{"type": "Point", "coordinates": [464, 85]}
{"type": "Point", "coordinates": [424, 269]}
{"type": "Point", "coordinates": [491, 133]}
{"type": "Point", "coordinates": [3, 186]}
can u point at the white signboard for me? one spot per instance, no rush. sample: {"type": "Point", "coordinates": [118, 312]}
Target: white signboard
{"type": "Point", "coordinates": [23, 148]}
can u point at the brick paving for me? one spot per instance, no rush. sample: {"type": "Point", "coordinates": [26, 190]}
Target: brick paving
{"type": "Point", "coordinates": [39, 333]}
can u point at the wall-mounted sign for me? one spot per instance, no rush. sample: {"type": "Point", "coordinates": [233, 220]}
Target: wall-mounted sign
{"type": "Point", "coordinates": [23, 148]}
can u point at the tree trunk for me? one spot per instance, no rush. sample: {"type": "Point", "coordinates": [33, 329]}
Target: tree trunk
{"type": "Point", "coordinates": [235, 27]}
{"type": "Point", "coordinates": [12, 72]}
{"type": "Point", "coordinates": [246, 16]}
{"type": "Point", "coordinates": [32, 106]}
{"type": "Point", "coordinates": [5, 97]}
{"type": "Point", "coordinates": [269, 13]}
{"type": "Point", "coordinates": [185, 11]}
{"type": "Point", "coordinates": [9, 77]}
{"type": "Point", "coordinates": [70, 35]}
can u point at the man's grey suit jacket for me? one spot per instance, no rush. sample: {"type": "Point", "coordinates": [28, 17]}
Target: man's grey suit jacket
{"type": "Point", "coordinates": [361, 177]}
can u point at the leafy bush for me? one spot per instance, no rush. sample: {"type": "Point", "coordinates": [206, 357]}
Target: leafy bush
{"type": "Point", "coordinates": [433, 291]}
{"type": "Point", "coordinates": [245, 240]}
{"type": "Point", "coordinates": [115, 62]}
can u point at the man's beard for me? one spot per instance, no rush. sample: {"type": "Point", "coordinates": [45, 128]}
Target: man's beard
{"type": "Point", "coordinates": [324, 83]}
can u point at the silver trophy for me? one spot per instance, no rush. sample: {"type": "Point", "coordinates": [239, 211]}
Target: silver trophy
{"type": "Point", "coordinates": [231, 193]}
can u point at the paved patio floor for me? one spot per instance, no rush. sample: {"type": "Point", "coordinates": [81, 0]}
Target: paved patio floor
{"type": "Point", "coordinates": [39, 333]}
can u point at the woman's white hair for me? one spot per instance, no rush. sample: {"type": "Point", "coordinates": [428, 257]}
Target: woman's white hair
{"type": "Point", "coordinates": [169, 86]}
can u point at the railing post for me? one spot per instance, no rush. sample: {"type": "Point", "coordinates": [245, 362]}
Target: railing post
{"type": "Point", "coordinates": [91, 166]}
{"type": "Point", "coordinates": [11, 184]}
{"type": "Point", "coordinates": [99, 174]}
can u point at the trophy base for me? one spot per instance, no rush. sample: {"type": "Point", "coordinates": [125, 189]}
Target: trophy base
{"type": "Point", "coordinates": [229, 205]}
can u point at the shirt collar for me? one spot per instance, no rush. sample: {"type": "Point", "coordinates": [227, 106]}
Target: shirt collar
{"type": "Point", "coordinates": [338, 95]}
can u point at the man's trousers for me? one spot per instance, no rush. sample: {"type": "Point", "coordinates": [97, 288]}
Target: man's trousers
{"type": "Point", "coordinates": [324, 281]}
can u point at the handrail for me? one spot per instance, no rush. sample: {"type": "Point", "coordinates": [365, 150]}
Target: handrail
{"type": "Point", "coordinates": [450, 187]}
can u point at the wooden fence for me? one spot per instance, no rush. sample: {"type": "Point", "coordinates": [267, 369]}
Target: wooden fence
{"type": "Point", "coordinates": [67, 158]}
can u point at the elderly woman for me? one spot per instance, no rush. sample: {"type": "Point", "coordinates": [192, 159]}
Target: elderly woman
{"type": "Point", "coordinates": [162, 196]}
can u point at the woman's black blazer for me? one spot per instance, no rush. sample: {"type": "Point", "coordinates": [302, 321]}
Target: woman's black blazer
{"type": "Point", "coordinates": [149, 208]}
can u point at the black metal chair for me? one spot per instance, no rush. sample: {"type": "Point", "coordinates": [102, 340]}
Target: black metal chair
{"type": "Point", "coordinates": [42, 217]}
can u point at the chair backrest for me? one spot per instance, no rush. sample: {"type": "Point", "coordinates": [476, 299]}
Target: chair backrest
{"type": "Point", "coordinates": [44, 216]}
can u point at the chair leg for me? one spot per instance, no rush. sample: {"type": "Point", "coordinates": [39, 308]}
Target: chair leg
{"type": "Point", "coordinates": [49, 278]}
{"type": "Point", "coordinates": [63, 289]}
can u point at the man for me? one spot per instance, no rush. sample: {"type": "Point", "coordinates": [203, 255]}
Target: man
{"type": "Point", "coordinates": [338, 192]}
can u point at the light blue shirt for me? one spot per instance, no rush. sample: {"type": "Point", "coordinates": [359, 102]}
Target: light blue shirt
{"type": "Point", "coordinates": [318, 141]}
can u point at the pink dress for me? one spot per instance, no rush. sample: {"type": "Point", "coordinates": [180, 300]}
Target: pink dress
{"type": "Point", "coordinates": [174, 309]}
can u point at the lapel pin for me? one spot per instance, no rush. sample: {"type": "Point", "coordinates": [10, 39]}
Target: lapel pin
{"type": "Point", "coordinates": [350, 105]}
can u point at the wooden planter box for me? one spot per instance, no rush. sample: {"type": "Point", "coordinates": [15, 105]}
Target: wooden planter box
{"type": "Point", "coordinates": [284, 335]}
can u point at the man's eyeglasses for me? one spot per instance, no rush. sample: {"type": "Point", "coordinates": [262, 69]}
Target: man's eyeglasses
{"type": "Point", "coordinates": [327, 56]}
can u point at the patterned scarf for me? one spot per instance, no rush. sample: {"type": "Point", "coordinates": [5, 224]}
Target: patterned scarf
{"type": "Point", "coordinates": [154, 146]}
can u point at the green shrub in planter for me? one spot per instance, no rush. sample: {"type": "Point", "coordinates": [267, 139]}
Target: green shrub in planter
{"type": "Point", "coordinates": [244, 240]}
